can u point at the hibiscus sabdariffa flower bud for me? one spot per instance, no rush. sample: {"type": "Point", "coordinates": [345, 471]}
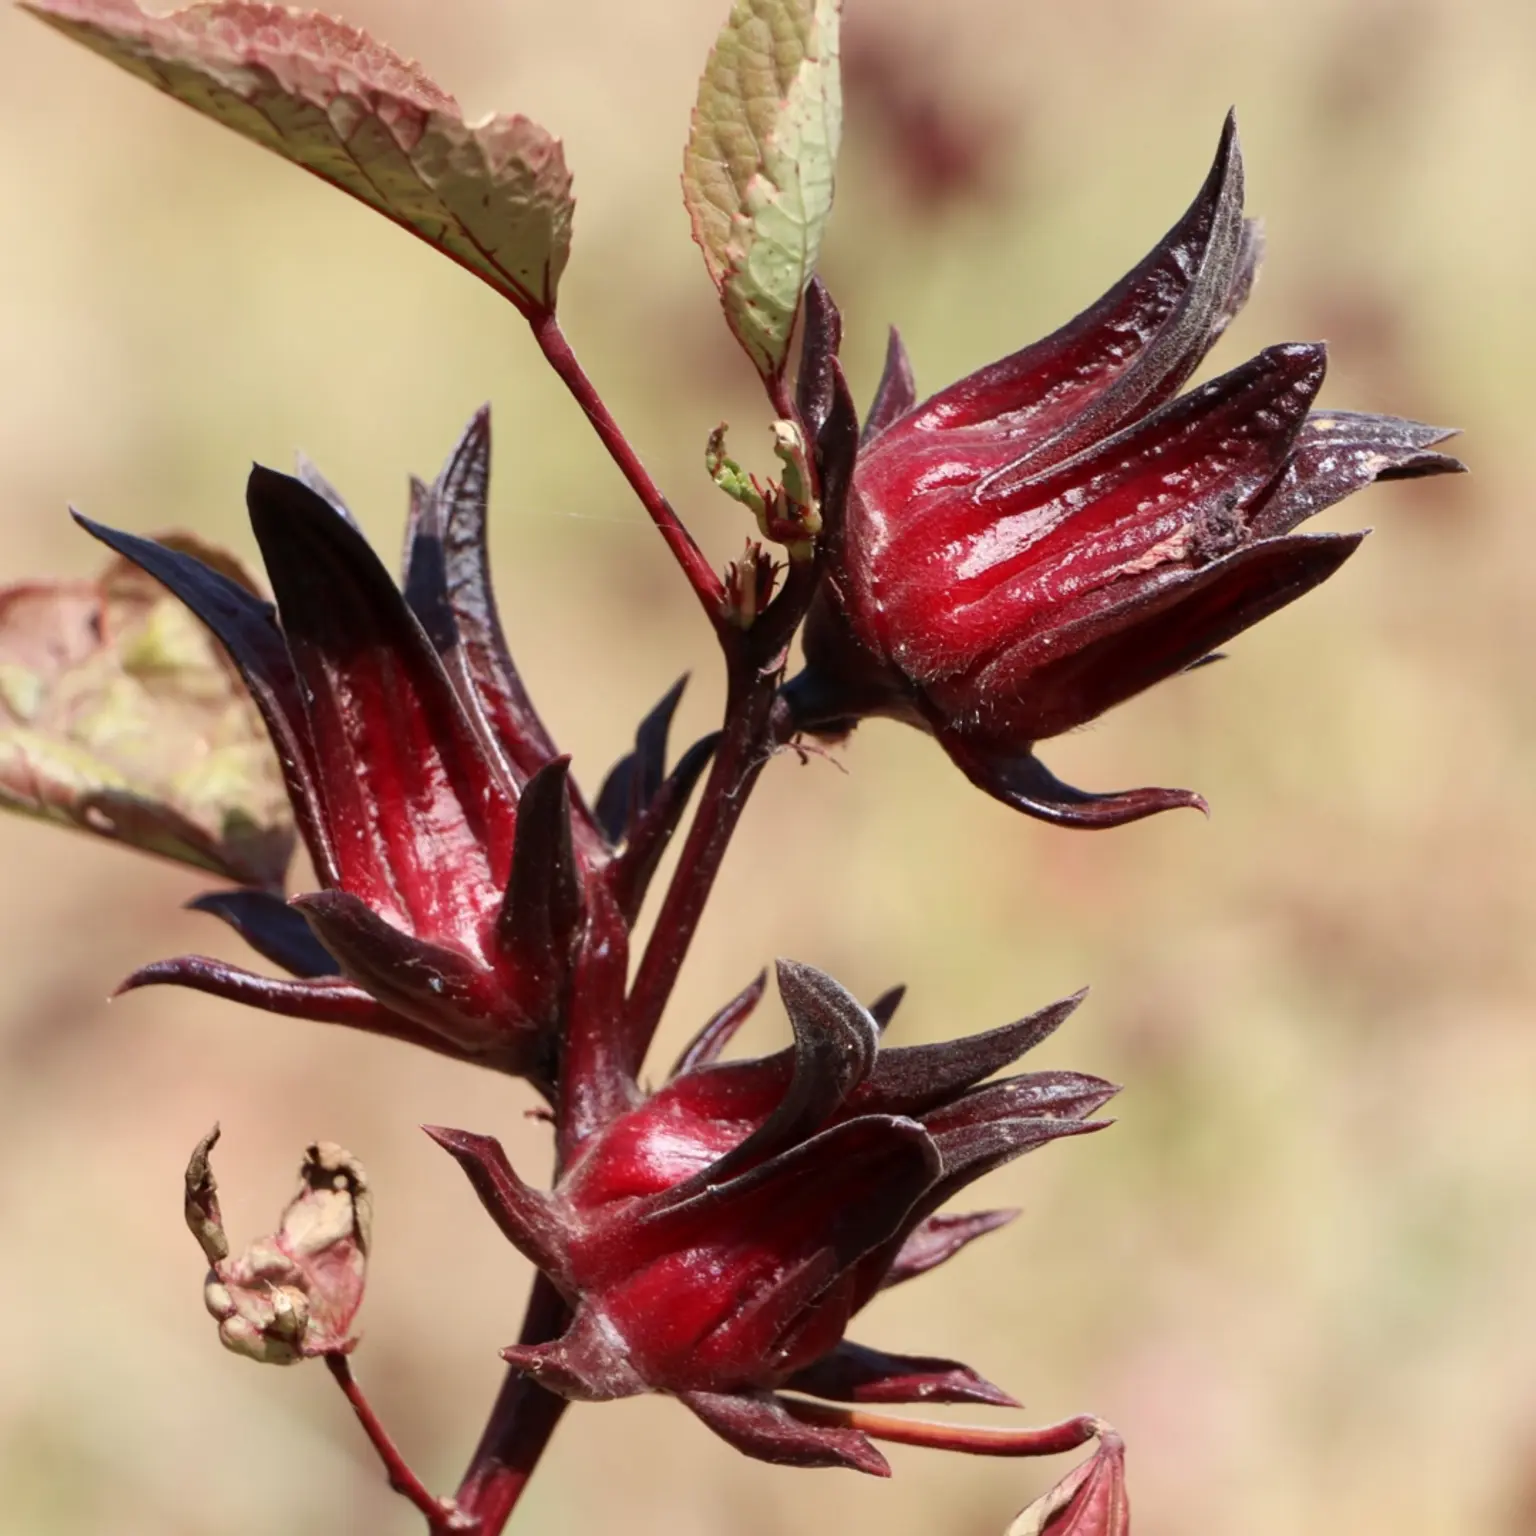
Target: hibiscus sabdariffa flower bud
{"type": "Point", "coordinates": [1062, 529]}
{"type": "Point", "coordinates": [459, 865]}
{"type": "Point", "coordinates": [293, 1295]}
{"type": "Point", "coordinates": [714, 1241]}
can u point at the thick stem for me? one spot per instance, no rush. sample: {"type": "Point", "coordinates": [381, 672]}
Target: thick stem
{"type": "Point", "coordinates": [756, 725]}
{"type": "Point", "coordinates": [974, 1439]}
{"type": "Point", "coordinates": [744, 749]}
{"type": "Point", "coordinates": [522, 1420]}
{"type": "Point", "coordinates": [442, 1516]}
{"type": "Point", "coordinates": [701, 575]}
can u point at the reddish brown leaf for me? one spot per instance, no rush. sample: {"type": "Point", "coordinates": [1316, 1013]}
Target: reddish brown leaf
{"type": "Point", "coordinates": [493, 195]}
{"type": "Point", "coordinates": [120, 715]}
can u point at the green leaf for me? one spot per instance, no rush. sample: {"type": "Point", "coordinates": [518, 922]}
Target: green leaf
{"type": "Point", "coordinates": [121, 715]}
{"type": "Point", "coordinates": [758, 170]}
{"type": "Point", "coordinates": [494, 195]}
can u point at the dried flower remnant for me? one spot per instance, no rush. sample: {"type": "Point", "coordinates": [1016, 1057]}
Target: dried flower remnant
{"type": "Point", "coordinates": [293, 1295]}
{"type": "Point", "coordinates": [1062, 529]}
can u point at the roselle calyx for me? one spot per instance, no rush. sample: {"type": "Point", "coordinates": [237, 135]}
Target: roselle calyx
{"type": "Point", "coordinates": [1057, 532]}
{"type": "Point", "coordinates": [456, 859]}
{"type": "Point", "coordinates": [714, 1241]}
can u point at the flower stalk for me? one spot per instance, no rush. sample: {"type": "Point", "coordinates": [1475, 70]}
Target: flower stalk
{"type": "Point", "coordinates": [441, 1516]}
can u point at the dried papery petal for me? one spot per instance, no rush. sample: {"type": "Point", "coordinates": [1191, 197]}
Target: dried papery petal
{"type": "Point", "coordinates": [294, 1294]}
{"type": "Point", "coordinates": [201, 1206]}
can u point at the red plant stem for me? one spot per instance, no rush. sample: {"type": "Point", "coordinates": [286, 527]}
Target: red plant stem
{"type": "Point", "coordinates": [702, 577]}
{"type": "Point", "coordinates": [522, 1420]}
{"type": "Point", "coordinates": [441, 1516]}
{"type": "Point", "coordinates": [752, 731]}
{"type": "Point", "coordinates": [744, 750]}
{"type": "Point", "coordinates": [974, 1439]}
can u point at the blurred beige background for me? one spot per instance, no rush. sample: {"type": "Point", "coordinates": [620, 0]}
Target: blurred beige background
{"type": "Point", "coordinates": [1298, 1273]}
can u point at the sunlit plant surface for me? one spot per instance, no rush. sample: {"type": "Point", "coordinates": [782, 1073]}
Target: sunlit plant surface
{"type": "Point", "coordinates": [995, 565]}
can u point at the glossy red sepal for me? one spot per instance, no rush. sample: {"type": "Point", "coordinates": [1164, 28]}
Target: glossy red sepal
{"type": "Point", "coordinates": [1061, 530]}
{"type": "Point", "coordinates": [714, 1240]}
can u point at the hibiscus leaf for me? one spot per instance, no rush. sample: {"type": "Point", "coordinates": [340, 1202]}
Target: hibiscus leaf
{"type": "Point", "coordinates": [493, 195]}
{"type": "Point", "coordinates": [121, 715]}
{"type": "Point", "coordinates": [758, 169]}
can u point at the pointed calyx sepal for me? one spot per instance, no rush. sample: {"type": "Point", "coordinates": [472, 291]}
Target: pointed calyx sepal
{"type": "Point", "coordinates": [453, 852]}
{"type": "Point", "coordinates": [640, 804]}
{"type": "Point", "coordinates": [292, 1295]}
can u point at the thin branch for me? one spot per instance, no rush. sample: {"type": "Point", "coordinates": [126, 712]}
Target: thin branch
{"type": "Point", "coordinates": [973, 1439]}
{"type": "Point", "coordinates": [702, 577]}
{"type": "Point", "coordinates": [522, 1420]}
{"type": "Point", "coordinates": [442, 1515]}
